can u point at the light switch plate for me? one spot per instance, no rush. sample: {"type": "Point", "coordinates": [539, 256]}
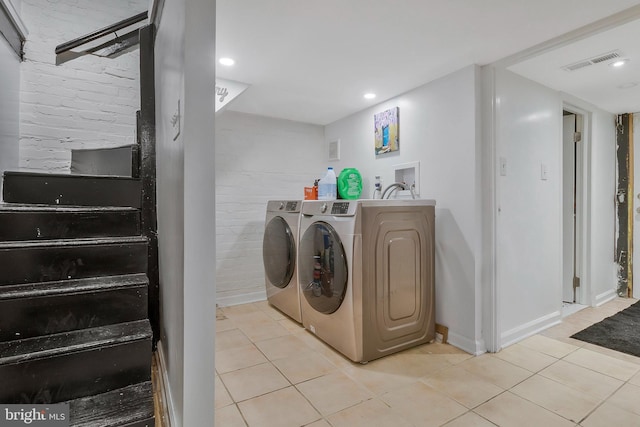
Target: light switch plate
{"type": "Point", "coordinates": [503, 166]}
{"type": "Point", "coordinates": [544, 172]}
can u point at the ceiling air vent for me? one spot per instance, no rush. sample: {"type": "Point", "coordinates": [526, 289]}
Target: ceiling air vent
{"type": "Point", "coordinates": [594, 60]}
{"type": "Point", "coordinates": [606, 57]}
{"type": "Point", "coordinates": [577, 65]}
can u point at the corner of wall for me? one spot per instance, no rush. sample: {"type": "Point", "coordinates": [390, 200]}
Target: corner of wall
{"type": "Point", "coordinates": [489, 298]}
{"type": "Point", "coordinates": [475, 347]}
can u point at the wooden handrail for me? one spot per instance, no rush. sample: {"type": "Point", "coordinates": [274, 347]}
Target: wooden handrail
{"type": "Point", "coordinates": [64, 47]}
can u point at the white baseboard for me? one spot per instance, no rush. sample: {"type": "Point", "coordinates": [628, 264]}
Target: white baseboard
{"type": "Point", "coordinates": [531, 328]}
{"type": "Point", "coordinates": [475, 347]}
{"type": "Point", "coordinates": [605, 297]}
{"type": "Point", "coordinates": [241, 299]}
{"type": "Point", "coordinates": [165, 389]}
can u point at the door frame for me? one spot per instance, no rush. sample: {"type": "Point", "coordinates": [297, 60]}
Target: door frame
{"type": "Point", "coordinates": [624, 135]}
{"type": "Point", "coordinates": [583, 204]}
{"type": "Point", "coordinates": [635, 196]}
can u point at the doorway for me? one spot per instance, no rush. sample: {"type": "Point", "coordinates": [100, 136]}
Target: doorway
{"type": "Point", "coordinates": [573, 293]}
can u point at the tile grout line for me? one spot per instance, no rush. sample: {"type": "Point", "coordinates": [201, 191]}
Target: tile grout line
{"type": "Point", "coordinates": [371, 394]}
{"type": "Point", "coordinates": [285, 377]}
{"type": "Point", "coordinates": [562, 416]}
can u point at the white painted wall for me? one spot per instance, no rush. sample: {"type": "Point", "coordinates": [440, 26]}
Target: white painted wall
{"type": "Point", "coordinates": [88, 102]}
{"type": "Point", "coordinates": [603, 270]}
{"type": "Point", "coordinates": [9, 108]}
{"type": "Point", "coordinates": [257, 159]}
{"type": "Point", "coordinates": [185, 71]}
{"type": "Point", "coordinates": [439, 127]}
{"type": "Point", "coordinates": [529, 210]}
{"type": "Point", "coordinates": [169, 85]}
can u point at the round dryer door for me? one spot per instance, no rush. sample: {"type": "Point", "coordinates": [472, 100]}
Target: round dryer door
{"type": "Point", "coordinates": [322, 268]}
{"type": "Point", "coordinates": [279, 252]}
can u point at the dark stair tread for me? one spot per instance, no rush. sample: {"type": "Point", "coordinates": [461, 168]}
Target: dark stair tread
{"type": "Point", "coordinates": [29, 349]}
{"type": "Point", "coordinates": [85, 241]}
{"type": "Point", "coordinates": [122, 407]}
{"type": "Point", "coordinates": [91, 284]}
{"type": "Point", "coordinates": [34, 207]}
{"type": "Point", "coordinates": [118, 147]}
{"type": "Point", "coordinates": [68, 175]}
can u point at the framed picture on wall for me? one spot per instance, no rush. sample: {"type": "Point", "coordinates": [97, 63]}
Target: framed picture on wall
{"type": "Point", "coordinates": [386, 127]}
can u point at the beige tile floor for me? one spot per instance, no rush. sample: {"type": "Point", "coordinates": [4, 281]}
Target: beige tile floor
{"type": "Point", "coordinates": [273, 373]}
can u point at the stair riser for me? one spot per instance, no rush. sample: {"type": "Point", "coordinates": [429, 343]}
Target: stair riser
{"type": "Point", "coordinates": [71, 190]}
{"type": "Point", "coordinates": [30, 317]}
{"type": "Point", "coordinates": [131, 406]}
{"type": "Point", "coordinates": [70, 376]}
{"type": "Point", "coordinates": [19, 225]}
{"type": "Point", "coordinates": [145, 423]}
{"type": "Point", "coordinates": [39, 264]}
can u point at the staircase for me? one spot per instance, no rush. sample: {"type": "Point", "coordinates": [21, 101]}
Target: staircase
{"type": "Point", "coordinates": [74, 321]}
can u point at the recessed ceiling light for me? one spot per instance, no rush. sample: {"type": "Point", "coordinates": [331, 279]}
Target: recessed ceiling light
{"type": "Point", "coordinates": [227, 61]}
{"type": "Point", "coordinates": [619, 63]}
{"type": "Point", "coordinates": [369, 95]}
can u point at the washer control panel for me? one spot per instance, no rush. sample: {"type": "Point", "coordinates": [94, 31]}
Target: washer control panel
{"type": "Point", "coordinates": [340, 208]}
{"type": "Point", "coordinates": [329, 207]}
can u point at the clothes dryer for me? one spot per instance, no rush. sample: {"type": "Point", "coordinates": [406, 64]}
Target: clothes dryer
{"type": "Point", "coordinates": [279, 251]}
{"type": "Point", "coordinates": [366, 270]}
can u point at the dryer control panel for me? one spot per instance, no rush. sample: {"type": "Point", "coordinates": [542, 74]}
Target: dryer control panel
{"type": "Point", "coordinates": [284, 206]}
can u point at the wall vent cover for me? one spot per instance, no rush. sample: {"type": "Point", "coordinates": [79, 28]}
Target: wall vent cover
{"type": "Point", "coordinates": [334, 150]}
{"type": "Point", "coordinates": [604, 57]}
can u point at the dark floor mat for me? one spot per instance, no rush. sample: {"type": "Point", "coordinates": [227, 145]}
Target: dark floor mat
{"type": "Point", "coordinates": [620, 332]}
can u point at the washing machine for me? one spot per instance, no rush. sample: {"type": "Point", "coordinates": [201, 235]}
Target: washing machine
{"type": "Point", "coordinates": [366, 272]}
{"type": "Point", "coordinates": [279, 251]}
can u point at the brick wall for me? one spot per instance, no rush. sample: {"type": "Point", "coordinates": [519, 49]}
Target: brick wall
{"type": "Point", "coordinates": [257, 159]}
{"type": "Point", "coordinates": [89, 102]}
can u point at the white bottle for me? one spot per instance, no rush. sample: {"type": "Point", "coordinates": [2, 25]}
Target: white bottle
{"type": "Point", "coordinates": [328, 186]}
